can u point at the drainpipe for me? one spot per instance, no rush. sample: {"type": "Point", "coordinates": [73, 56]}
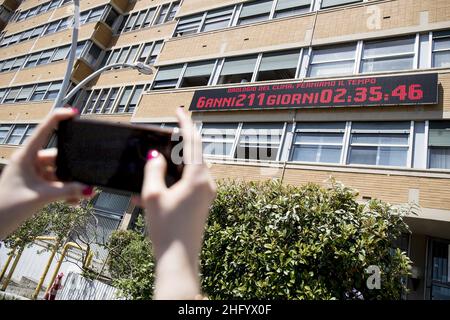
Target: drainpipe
{"type": "Point", "coordinates": [49, 263]}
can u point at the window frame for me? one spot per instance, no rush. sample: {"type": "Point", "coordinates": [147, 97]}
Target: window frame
{"type": "Point", "coordinates": [414, 54]}
{"type": "Point", "coordinates": [409, 146]}
{"type": "Point", "coordinates": [296, 131]}
{"type": "Point", "coordinates": [280, 146]}
{"type": "Point", "coordinates": [433, 38]}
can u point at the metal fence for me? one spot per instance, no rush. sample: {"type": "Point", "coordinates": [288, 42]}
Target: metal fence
{"type": "Point", "coordinates": [76, 287]}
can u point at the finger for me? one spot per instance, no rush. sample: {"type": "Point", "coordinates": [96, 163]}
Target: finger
{"type": "Point", "coordinates": [137, 201]}
{"type": "Point", "coordinates": [192, 145]}
{"type": "Point", "coordinates": [43, 132]}
{"type": "Point", "coordinates": [67, 190]}
{"type": "Point", "coordinates": [46, 157]}
{"type": "Point", "coordinates": [154, 176]}
{"type": "Point", "coordinates": [48, 174]}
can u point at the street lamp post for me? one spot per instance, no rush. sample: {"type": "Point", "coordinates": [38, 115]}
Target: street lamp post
{"type": "Point", "coordinates": [71, 60]}
{"type": "Point", "coordinates": [61, 99]}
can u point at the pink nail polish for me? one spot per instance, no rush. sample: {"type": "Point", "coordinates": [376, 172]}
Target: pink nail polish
{"type": "Point", "coordinates": [88, 191]}
{"type": "Point", "coordinates": [152, 154]}
{"type": "Point", "coordinates": [75, 110]}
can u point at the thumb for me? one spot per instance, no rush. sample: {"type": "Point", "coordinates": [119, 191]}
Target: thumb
{"type": "Point", "coordinates": [154, 175]}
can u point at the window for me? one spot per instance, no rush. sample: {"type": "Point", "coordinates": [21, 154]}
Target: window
{"type": "Point", "coordinates": [150, 52]}
{"type": "Point", "coordinates": [149, 17]}
{"type": "Point", "coordinates": [167, 13]}
{"type": "Point", "coordinates": [441, 49]}
{"type": "Point", "coordinates": [130, 23]}
{"type": "Point", "coordinates": [91, 101]}
{"type": "Point", "coordinates": [330, 61]}
{"type": "Point", "coordinates": [197, 74]}
{"type": "Point", "coordinates": [259, 141]}
{"type": "Point", "coordinates": [122, 107]}
{"type": "Point", "coordinates": [2, 94]}
{"type": "Point", "coordinates": [39, 92]}
{"type": "Point", "coordinates": [162, 14]}
{"type": "Point", "coordinates": [318, 142]}
{"type": "Point", "coordinates": [53, 91]}
{"type": "Point", "coordinates": [4, 131]}
{"type": "Point", "coordinates": [135, 98]}
{"type": "Point", "coordinates": [140, 19]}
{"type": "Point", "coordinates": [439, 145]}
{"type": "Point", "coordinates": [18, 63]}
{"type": "Point", "coordinates": [255, 11]}
{"type": "Point", "coordinates": [238, 70]}
{"type": "Point", "coordinates": [32, 60]}
{"type": "Point", "coordinates": [123, 22]}
{"type": "Point", "coordinates": [45, 57]}
{"type": "Point", "coordinates": [114, 56]}
{"type": "Point", "coordinates": [94, 15]}
{"type": "Point", "coordinates": [167, 77]}
{"type": "Point", "coordinates": [24, 94]}
{"type": "Point", "coordinates": [287, 8]}
{"type": "Point", "coordinates": [93, 54]}
{"type": "Point", "coordinates": [189, 25]}
{"type": "Point", "coordinates": [388, 55]}
{"type": "Point", "coordinates": [109, 104]}
{"type": "Point", "coordinates": [37, 32]}
{"type": "Point", "coordinates": [333, 3]}
{"type": "Point", "coordinates": [12, 95]}
{"type": "Point", "coordinates": [111, 17]}
{"type": "Point", "coordinates": [8, 65]}
{"type": "Point", "coordinates": [98, 107]}
{"type": "Point", "coordinates": [61, 53]}
{"type": "Point", "coordinates": [132, 56]}
{"type": "Point", "coordinates": [52, 27]}
{"type": "Point", "coordinates": [381, 144]}
{"type": "Point", "coordinates": [218, 19]}
{"type": "Point", "coordinates": [123, 55]}
{"type": "Point", "coordinates": [173, 11]}
{"type": "Point", "coordinates": [17, 134]}
{"type": "Point", "coordinates": [80, 48]}
{"type": "Point", "coordinates": [218, 138]}
{"type": "Point", "coordinates": [275, 66]}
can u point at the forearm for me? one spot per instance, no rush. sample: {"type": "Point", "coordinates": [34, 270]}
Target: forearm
{"type": "Point", "coordinates": [13, 214]}
{"type": "Point", "coordinates": [177, 274]}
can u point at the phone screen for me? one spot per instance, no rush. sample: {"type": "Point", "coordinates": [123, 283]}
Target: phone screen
{"type": "Point", "coordinates": [112, 155]}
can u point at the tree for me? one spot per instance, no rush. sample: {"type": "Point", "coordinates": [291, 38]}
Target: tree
{"type": "Point", "coordinates": [267, 240]}
{"type": "Point", "coordinates": [131, 263]}
{"type": "Point", "coordinates": [57, 219]}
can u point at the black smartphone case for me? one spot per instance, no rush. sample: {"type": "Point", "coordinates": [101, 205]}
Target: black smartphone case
{"type": "Point", "coordinates": [113, 155]}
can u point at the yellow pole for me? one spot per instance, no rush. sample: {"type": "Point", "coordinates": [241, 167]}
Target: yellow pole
{"type": "Point", "coordinates": [13, 268]}
{"type": "Point", "coordinates": [47, 267]}
{"type": "Point", "coordinates": [5, 268]}
{"type": "Point", "coordinates": [63, 254]}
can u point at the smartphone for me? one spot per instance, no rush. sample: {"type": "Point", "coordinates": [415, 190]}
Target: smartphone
{"type": "Point", "coordinates": [113, 155]}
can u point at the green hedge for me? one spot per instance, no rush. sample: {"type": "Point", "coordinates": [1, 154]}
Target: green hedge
{"type": "Point", "coordinates": [271, 241]}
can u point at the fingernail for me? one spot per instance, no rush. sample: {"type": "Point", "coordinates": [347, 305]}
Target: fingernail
{"type": "Point", "coordinates": [152, 154]}
{"type": "Point", "coordinates": [75, 110]}
{"type": "Point", "coordinates": [88, 191]}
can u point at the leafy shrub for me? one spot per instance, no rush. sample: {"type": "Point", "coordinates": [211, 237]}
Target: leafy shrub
{"type": "Point", "coordinates": [131, 262]}
{"type": "Point", "coordinates": [271, 241]}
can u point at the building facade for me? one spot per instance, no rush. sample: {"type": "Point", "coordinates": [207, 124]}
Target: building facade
{"type": "Point", "coordinates": [298, 90]}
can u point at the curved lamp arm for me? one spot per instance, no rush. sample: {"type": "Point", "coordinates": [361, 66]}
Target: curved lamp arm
{"type": "Point", "coordinates": [141, 67]}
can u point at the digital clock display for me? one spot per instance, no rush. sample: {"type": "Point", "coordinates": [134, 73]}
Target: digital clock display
{"type": "Point", "coordinates": [374, 91]}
